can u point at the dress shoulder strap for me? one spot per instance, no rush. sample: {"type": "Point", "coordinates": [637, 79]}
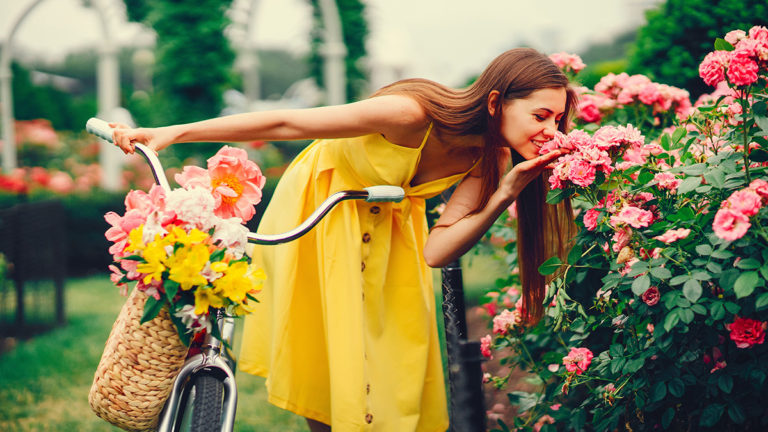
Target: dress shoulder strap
{"type": "Point", "coordinates": [424, 141]}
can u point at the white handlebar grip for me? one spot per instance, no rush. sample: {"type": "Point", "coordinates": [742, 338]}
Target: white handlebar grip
{"type": "Point", "coordinates": [385, 193]}
{"type": "Point", "coordinates": [100, 128]}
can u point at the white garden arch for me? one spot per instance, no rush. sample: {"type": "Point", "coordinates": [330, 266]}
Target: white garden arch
{"type": "Point", "coordinates": [333, 50]}
{"type": "Point", "coordinates": [111, 14]}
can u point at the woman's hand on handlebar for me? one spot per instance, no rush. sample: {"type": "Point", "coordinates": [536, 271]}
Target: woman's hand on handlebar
{"type": "Point", "coordinates": [125, 137]}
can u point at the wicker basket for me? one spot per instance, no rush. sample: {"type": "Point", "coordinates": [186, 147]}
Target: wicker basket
{"type": "Point", "coordinates": [136, 372]}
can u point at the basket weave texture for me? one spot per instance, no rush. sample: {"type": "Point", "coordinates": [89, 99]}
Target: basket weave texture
{"type": "Point", "coordinates": [137, 369]}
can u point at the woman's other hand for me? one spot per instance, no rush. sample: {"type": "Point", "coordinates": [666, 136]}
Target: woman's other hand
{"type": "Point", "coordinates": [523, 173]}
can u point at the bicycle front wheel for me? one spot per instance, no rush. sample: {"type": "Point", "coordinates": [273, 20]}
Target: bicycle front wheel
{"type": "Point", "coordinates": [206, 404]}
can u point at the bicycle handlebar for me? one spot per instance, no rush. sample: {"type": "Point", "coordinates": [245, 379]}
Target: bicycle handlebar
{"type": "Point", "coordinates": [382, 193]}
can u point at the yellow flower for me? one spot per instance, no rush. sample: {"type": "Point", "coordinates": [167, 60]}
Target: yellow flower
{"type": "Point", "coordinates": [178, 235]}
{"type": "Point", "coordinates": [205, 298]}
{"type": "Point", "coordinates": [238, 280]}
{"type": "Point", "coordinates": [135, 239]}
{"type": "Point", "coordinates": [186, 266]}
{"type": "Point", "coordinates": [155, 256]}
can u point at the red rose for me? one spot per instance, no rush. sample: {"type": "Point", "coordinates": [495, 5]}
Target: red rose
{"type": "Point", "coordinates": [651, 296]}
{"type": "Point", "coordinates": [747, 332]}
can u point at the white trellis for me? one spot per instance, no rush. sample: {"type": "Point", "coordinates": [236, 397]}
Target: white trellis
{"type": "Point", "coordinates": [333, 50]}
{"type": "Point", "coordinates": [111, 15]}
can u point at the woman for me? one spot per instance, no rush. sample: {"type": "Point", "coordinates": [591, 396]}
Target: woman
{"type": "Point", "coordinates": [345, 332]}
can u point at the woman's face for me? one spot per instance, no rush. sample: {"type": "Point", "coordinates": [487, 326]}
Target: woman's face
{"type": "Point", "coordinates": [526, 124]}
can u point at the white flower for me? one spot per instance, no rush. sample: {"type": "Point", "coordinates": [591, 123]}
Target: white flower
{"type": "Point", "coordinates": [231, 234]}
{"type": "Point", "coordinates": [192, 321]}
{"type": "Point", "coordinates": [194, 207]}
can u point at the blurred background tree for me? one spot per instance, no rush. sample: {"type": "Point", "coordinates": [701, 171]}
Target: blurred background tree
{"type": "Point", "coordinates": [679, 34]}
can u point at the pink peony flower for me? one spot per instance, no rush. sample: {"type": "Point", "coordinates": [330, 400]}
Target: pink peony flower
{"type": "Point", "coordinates": [712, 68]}
{"type": "Point", "coordinates": [651, 296]}
{"type": "Point", "coordinates": [760, 186]}
{"type": "Point", "coordinates": [742, 69]}
{"type": "Point", "coordinates": [730, 224]}
{"type": "Point", "coordinates": [234, 181]}
{"type": "Point", "coordinates": [121, 226]}
{"type": "Point", "coordinates": [673, 235]}
{"type": "Point", "coordinates": [746, 332]}
{"type": "Point", "coordinates": [485, 346]}
{"type": "Point", "coordinates": [578, 360]}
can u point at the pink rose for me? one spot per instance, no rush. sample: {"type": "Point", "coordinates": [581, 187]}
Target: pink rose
{"type": "Point", "coordinates": [581, 173]}
{"type": "Point", "coordinates": [485, 346]}
{"type": "Point", "coordinates": [621, 238]}
{"type": "Point", "coordinates": [651, 296]}
{"type": "Point", "coordinates": [712, 68]}
{"type": "Point", "coordinates": [746, 332]}
{"type": "Point", "coordinates": [730, 224]}
{"type": "Point", "coordinates": [733, 36]}
{"type": "Point", "coordinates": [633, 216]}
{"type": "Point", "coordinates": [588, 109]}
{"type": "Point", "coordinates": [673, 235]}
{"type": "Point", "coordinates": [667, 180]}
{"type": "Point", "coordinates": [505, 321]}
{"type": "Point", "coordinates": [742, 70]}
{"type": "Point", "coordinates": [578, 360]}
{"type": "Point", "coordinates": [746, 201]}
{"type": "Point", "coordinates": [590, 219]}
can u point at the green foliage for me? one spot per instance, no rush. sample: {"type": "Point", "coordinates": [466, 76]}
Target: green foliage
{"type": "Point", "coordinates": [354, 32]}
{"type": "Point", "coordinates": [680, 33]}
{"type": "Point", "coordinates": [31, 101]}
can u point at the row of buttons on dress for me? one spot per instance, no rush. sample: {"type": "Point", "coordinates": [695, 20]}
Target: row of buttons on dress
{"type": "Point", "coordinates": [366, 239]}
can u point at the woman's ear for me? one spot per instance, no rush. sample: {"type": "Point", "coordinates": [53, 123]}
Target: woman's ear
{"type": "Point", "coordinates": [493, 102]}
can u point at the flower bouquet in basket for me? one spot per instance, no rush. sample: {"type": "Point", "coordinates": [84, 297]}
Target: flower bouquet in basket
{"type": "Point", "coordinates": [186, 252]}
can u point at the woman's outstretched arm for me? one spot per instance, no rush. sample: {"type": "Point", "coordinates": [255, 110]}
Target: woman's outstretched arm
{"type": "Point", "coordinates": [455, 232]}
{"type": "Point", "coordinates": [389, 115]}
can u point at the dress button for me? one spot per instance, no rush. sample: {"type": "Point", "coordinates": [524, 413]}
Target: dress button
{"type": "Point", "coordinates": [367, 389]}
{"type": "Point", "coordinates": [375, 209]}
{"type": "Point", "coordinates": [369, 418]}
{"type": "Point", "coordinates": [362, 266]}
{"type": "Point", "coordinates": [366, 238]}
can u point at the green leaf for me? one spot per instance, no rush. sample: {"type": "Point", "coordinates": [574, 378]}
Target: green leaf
{"type": "Point", "coordinates": [661, 273]}
{"type": "Point", "coordinates": [151, 309]}
{"type": "Point", "coordinates": [692, 290]}
{"type": "Point", "coordinates": [633, 365]}
{"type": "Point", "coordinates": [699, 309]}
{"type": "Point", "coordinates": [723, 45]}
{"type": "Point", "coordinates": [641, 284]}
{"type": "Point", "coordinates": [688, 184]}
{"type": "Point", "coordinates": [736, 414]}
{"type": "Point", "coordinates": [748, 264]}
{"type": "Point", "coordinates": [722, 254]}
{"type": "Point", "coordinates": [575, 254]}
{"type": "Point", "coordinates": [679, 134]}
{"type": "Point", "coordinates": [667, 418]}
{"type": "Point", "coordinates": [550, 266]}
{"type": "Point", "coordinates": [762, 301]}
{"type": "Point", "coordinates": [554, 196]}
{"type": "Point", "coordinates": [616, 350]}
{"type": "Point", "coordinates": [671, 320]}
{"type": "Point", "coordinates": [715, 177]}
{"type": "Point", "coordinates": [686, 315]}
{"type": "Point", "coordinates": [746, 283]}
{"type": "Point", "coordinates": [711, 414]}
{"type": "Point", "coordinates": [659, 391]}
{"type": "Point", "coordinates": [676, 387]}
{"type": "Point", "coordinates": [725, 382]}
{"type": "Point", "coordinates": [171, 288]}
{"type": "Point", "coordinates": [762, 122]}
{"type": "Point", "coordinates": [704, 249]}
{"type": "Point", "coordinates": [677, 280]}
{"type": "Point", "coordinates": [701, 275]}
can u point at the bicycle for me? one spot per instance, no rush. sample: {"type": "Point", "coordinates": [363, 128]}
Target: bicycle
{"type": "Point", "coordinates": [204, 394]}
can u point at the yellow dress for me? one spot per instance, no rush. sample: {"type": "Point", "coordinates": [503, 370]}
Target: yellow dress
{"type": "Point", "coordinates": [345, 330]}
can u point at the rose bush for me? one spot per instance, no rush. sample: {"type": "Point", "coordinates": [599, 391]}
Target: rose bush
{"type": "Point", "coordinates": [656, 319]}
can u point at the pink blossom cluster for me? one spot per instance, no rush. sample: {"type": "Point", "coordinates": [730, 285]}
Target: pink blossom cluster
{"type": "Point", "coordinates": [25, 179]}
{"type": "Point", "coordinates": [746, 332]}
{"type": "Point", "coordinates": [732, 219]}
{"type": "Point", "coordinates": [578, 360]}
{"type": "Point", "coordinates": [589, 155]}
{"type": "Point", "coordinates": [741, 66]}
{"type": "Point", "coordinates": [507, 321]}
{"type": "Point", "coordinates": [486, 344]}
{"type": "Point", "coordinates": [627, 89]}
{"type": "Point", "coordinates": [567, 62]}
{"type": "Point", "coordinates": [673, 235]}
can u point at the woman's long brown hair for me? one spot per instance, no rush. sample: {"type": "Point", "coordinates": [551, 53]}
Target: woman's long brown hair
{"type": "Point", "coordinates": [543, 230]}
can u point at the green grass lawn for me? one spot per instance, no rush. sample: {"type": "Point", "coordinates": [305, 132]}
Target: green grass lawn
{"type": "Point", "coordinates": [44, 382]}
